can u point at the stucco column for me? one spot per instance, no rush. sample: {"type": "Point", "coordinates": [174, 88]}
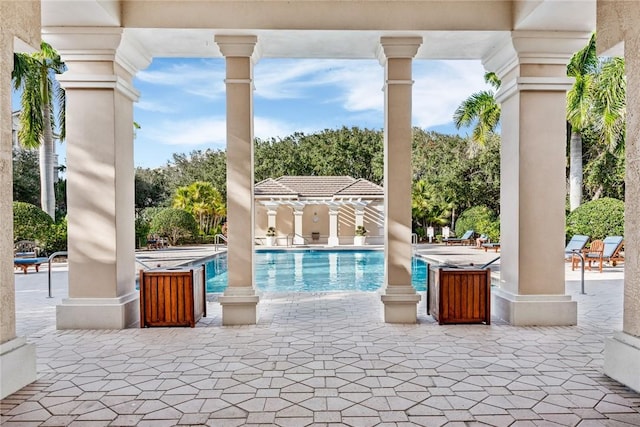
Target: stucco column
{"type": "Point", "coordinates": [271, 217]}
{"type": "Point", "coordinates": [399, 297]}
{"type": "Point", "coordinates": [239, 302]}
{"type": "Point", "coordinates": [100, 176]}
{"type": "Point", "coordinates": [17, 357]}
{"type": "Point", "coordinates": [617, 22]}
{"type": "Point", "coordinates": [297, 226]}
{"type": "Point", "coordinates": [532, 67]}
{"type": "Point", "coordinates": [359, 215]}
{"type": "Point", "coordinates": [334, 240]}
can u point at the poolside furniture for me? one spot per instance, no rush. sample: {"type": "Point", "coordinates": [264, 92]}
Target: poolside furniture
{"type": "Point", "coordinates": [25, 263]}
{"type": "Point", "coordinates": [174, 296]}
{"type": "Point", "coordinates": [466, 239]}
{"type": "Point", "coordinates": [577, 243]}
{"type": "Point", "coordinates": [601, 251]}
{"type": "Point", "coordinates": [25, 249]}
{"type": "Point", "coordinates": [459, 294]}
{"type": "Point", "coordinates": [495, 246]}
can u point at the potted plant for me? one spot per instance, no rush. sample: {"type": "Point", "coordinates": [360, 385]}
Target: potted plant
{"type": "Point", "coordinates": [359, 238]}
{"type": "Point", "coordinates": [271, 236]}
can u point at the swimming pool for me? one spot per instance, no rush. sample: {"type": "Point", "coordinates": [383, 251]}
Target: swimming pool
{"type": "Point", "coordinates": [314, 271]}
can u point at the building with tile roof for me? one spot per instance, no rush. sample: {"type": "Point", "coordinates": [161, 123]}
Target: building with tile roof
{"type": "Point", "coordinates": [318, 210]}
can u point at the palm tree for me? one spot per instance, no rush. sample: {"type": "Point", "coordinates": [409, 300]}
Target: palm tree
{"type": "Point", "coordinates": [609, 103]}
{"type": "Point", "coordinates": [482, 109]}
{"type": "Point", "coordinates": [40, 96]}
{"type": "Point", "coordinates": [582, 67]}
{"type": "Point", "coordinates": [204, 202]}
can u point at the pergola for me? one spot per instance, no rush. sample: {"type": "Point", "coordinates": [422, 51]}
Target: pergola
{"type": "Point", "coordinates": [329, 200]}
{"type": "Point", "coordinates": [528, 43]}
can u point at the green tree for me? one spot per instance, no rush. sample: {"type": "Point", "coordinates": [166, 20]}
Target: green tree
{"type": "Point", "coordinates": [30, 222]}
{"type": "Point", "coordinates": [204, 202]}
{"type": "Point", "coordinates": [480, 110]}
{"type": "Point", "coordinates": [582, 68]}
{"type": "Point", "coordinates": [209, 166]}
{"type": "Point", "coordinates": [151, 188]}
{"type": "Point", "coordinates": [33, 75]}
{"type": "Point", "coordinates": [428, 206]}
{"type": "Point", "coordinates": [26, 177]}
{"type": "Point", "coordinates": [174, 223]}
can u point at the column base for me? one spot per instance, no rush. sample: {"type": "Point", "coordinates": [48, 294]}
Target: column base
{"type": "Point", "coordinates": [99, 313]}
{"type": "Point", "coordinates": [534, 310]}
{"type": "Point", "coordinates": [297, 240]}
{"type": "Point", "coordinates": [17, 365]}
{"type": "Point", "coordinates": [622, 359]}
{"type": "Point", "coordinates": [333, 241]}
{"type": "Point", "coordinates": [239, 306]}
{"type": "Point", "coordinates": [400, 304]}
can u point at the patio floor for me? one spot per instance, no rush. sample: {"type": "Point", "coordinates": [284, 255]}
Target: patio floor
{"type": "Point", "coordinates": [323, 359]}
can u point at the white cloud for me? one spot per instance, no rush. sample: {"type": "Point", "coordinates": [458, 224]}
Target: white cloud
{"type": "Point", "coordinates": [190, 131]}
{"type": "Point", "coordinates": [154, 106]}
{"type": "Point", "coordinates": [203, 78]}
{"type": "Point", "coordinates": [440, 88]}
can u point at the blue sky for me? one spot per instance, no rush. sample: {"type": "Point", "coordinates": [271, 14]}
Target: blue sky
{"type": "Point", "coordinates": [182, 102]}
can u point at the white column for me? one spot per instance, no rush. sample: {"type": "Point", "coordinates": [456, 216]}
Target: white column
{"type": "Point", "coordinates": [359, 215]}
{"type": "Point", "coordinates": [20, 21]}
{"type": "Point", "coordinates": [400, 299]}
{"type": "Point", "coordinates": [271, 218]}
{"type": "Point", "coordinates": [239, 302]}
{"type": "Point", "coordinates": [297, 226]}
{"type": "Point", "coordinates": [100, 176]}
{"type": "Point", "coordinates": [617, 22]}
{"type": "Point", "coordinates": [532, 66]}
{"type": "Point", "coordinates": [334, 240]}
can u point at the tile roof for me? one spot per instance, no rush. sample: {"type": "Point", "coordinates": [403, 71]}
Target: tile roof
{"type": "Point", "coordinates": [317, 186]}
{"type": "Point", "coordinates": [272, 187]}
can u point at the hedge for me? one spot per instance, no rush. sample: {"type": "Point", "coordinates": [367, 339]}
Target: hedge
{"type": "Point", "coordinates": [597, 219]}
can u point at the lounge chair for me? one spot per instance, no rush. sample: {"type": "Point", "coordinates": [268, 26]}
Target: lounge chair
{"type": "Point", "coordinates": [577, 243]}
{"type": "Point", "coordinates": [24, 263]}
{"type": "Point", "coordinates": [466, 239]}
{"type": "Point", "coordinates": [491, 245]}
{"type": "Point", "coordinates": [601, 251]}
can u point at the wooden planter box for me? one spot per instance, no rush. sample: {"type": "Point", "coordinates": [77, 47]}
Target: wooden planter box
{"type": "Point", "coordinates": [459, 295]}
{"type": "Point", "coordinates": [172, 297]}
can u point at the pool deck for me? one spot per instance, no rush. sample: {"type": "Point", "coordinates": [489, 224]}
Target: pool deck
{"type": "Point", "coordinates": [323, 359]}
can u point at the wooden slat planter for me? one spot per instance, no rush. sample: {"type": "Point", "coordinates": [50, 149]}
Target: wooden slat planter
{"type": "Point", "coordinates": [457, 295]}
{"type": "Point", "coordinates": [172, 297]}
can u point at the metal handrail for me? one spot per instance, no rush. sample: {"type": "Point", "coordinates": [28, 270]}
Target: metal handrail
{"type": "Point", "coordinates": [217, 239]}
{"type": "Point", "coordinates": [293, 235]}
{"type": "Point", "coordinates": [581, 255]}
{"type": "Point", "coordinates": [414, 238]}
{"type": "Point", "coordinates": [51, 257]}
{"type": "Point", "coordinates": [143, 264]}
{"type": "Point", "coordinates": [490, 262]}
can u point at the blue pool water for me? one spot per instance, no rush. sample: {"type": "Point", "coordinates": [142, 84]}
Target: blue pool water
{"type": "Point", "coordinates": [313, 271]}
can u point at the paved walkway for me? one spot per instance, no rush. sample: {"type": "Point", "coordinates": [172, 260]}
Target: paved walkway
{"type": "Point", "coordinates": [324, 359]}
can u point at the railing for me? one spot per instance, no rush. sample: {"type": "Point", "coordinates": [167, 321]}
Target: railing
{"type": "Point", "coordinates": [143, 264]}
{"type": "Point", "coordinates": [414, 238]}
{"type": "Point", "coordinates": [579, 253]}
{"type": "Point", "coordinates": [217, 238]}
{"type": "Point", "coordinates": [293, 236]}
{"type": "Point", "coordinates": [51, 257]}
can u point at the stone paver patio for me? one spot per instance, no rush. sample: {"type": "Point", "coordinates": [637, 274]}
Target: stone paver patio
{"type": "Point", "coordinates": [324, 359]}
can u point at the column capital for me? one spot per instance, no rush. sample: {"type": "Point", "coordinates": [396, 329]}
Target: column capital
{"type": "Point", "coordinates": [98, 58]}
{"type": "Point", "coordinates": [298, 211]}
{"type": "Point", "coordinates": [534, 47]}
{"type": "Point", "coordinates": [398, 47]}
{"type": "Point", "coordinates": [238, 46]}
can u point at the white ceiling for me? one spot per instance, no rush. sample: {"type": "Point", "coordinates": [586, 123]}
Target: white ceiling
{"type": "Point", "coordinates": [323, 41]}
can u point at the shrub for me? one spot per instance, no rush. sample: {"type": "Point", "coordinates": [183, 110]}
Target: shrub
{"type": "Point", "coordinates": [480, 219]}
{"type": "Point", "coordinates": [56, 239]}
{"type": "Point", "coordinates": [30, 222]}
{"type": "Point", "coordinates": [597, 218]}
{"type": "Point", "coordinates": [174, 224]}
{"type": "Point", "coordinates": [142, 231]}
